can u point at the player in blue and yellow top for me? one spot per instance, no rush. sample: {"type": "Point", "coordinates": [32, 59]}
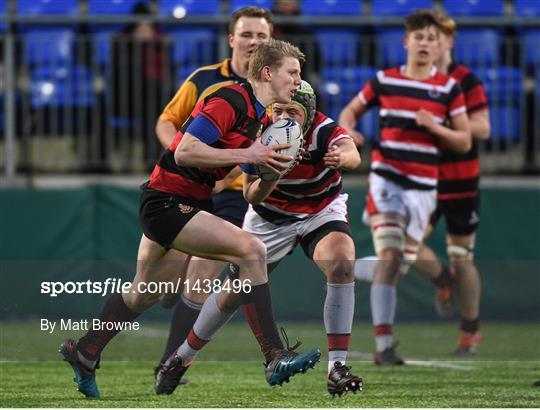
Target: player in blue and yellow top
{"type": "Point", "coordinates": [221, 132]}
{"type": "Point", "coordinates": [248, 27]}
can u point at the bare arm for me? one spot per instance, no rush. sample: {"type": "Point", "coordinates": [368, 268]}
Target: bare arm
{"type": "Point", "coordinates": [256, 190]}
{"type": "Point", "coordinates": [165, 131]}
{"type": "Point", "coordinates": [349, 117]}
{"type": "Point", "coordinates": [479, 123]}
{"type": "Point", "coordinates": [342, 154]}
{"type": "Point", "coordinates": [192, 152]}
{"type": "Point", "coordinates": [457, 137]}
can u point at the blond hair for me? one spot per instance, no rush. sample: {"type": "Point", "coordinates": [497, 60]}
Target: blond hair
{"type": "Point", "coordinates": [447, 24]}
{"type": "Point", "coordinates": [271, 54]}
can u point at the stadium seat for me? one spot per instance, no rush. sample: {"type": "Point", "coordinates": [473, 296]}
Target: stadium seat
{"type": "Point", "coordinates": [503, 85]}
{"type": "Point", "coordinates": [3, 13]}
{"type": "Point", "coordinates": [193, 47]}
{"type": "Point", "coordinates": [531, 48]}
{"type": "Point", "coordinates": [331, 7]}
{"type": "Point", "coordinates": [101, 7]}
{"type": "Point", "coordinates": [65, 86]}
{"type": "Point", "coordinates": [48, 46]}
{"type": "Point", "coordinates": [474, 7]}
{"type": "Point", "coordinates": [238, 4]}
{"type": "Point", "coordinates": [183, 72]}
{"type": "Point", "coordinates": [43, 7]}
{"type": "Point", "coordinates": [478, 47]}
{"type": "Point", "coordinates": [339, 86]}
{"type": "Point", "coordinates": [181, 8]}
{"type": "Point", "coordinates": [101, 43]}
{"type": "Point", "coordinates": [505, 121]}
{"type": "Point", "coordinates": [338, 47]}
{"type": "Point", "coordinates": [398, 7]}
{"type": "Point", "coordinates": [389, 46]}
{"type": "Point", "coordinates": [527, 8]}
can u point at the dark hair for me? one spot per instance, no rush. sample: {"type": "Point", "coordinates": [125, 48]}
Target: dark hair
{"type": "Point", "coordinates": [251, 11]}
{"type": "Point", "coordinates": [421, 19]}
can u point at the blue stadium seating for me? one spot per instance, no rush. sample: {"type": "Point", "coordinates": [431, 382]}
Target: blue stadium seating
{"type": "Point", "coordinates": [43, 7]}
{"type": "Point", "coordinates": [101, 43]}
{"type": "Point", "coordinates": [505, 121]}
{"type": "Point", "coordinates": [478, 47]}
{"type": "Point", "coordinates": [100, 7]}
{"type": "Point", "coordinates": [531, 41]}
{"type": "Point", "coordinates": [193, 47]}
{"type": "Point", "coordinates": [65, 86]}
{"type": "Point", "coordinates": [238, 4]}
{"type": "Point", "coordinates": [398, 7]}
{"type": "Point", "coordinates": [48, 46]}
{"type": "Point", "coordinates": [183, 72]}
{"type": "Point", "coordinates": [187, 7]}
{"type": "Point", "coordinates": [503, 85]}
{"type": "Point", "coordinates": [527, 8]}
{"type": "Point", "coordinates": [474, 7]}
{"type": "Point", "coordinates": [331, 7]}
{"type": "Point", "coordinates": [3, 12]}
{"type": "Point", "coordinates": [338, 47]}
{"type": "Point", "coordinates": [390, 51]}
{"type": "Point", "coordinates": [339, 86]}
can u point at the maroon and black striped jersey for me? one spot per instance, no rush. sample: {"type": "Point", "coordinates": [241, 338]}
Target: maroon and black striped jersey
{"type": "Point", "coordinates": [407, 153]}
{"type": "Point", "coordinates": [310, 186]}
{"type": "Point", "coordinates": [459, 174]}
{"type": "Point", "coordinates": [232, 111]}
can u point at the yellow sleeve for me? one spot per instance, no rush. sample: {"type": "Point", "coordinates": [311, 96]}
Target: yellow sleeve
{"type": "Point", "coordinates": [179, 108]}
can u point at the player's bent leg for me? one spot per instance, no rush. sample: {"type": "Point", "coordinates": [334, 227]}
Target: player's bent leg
{"type": "Point", "coordinates": [461, 253]}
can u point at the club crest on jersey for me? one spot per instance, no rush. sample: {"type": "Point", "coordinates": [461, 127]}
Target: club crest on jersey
{"type": "Point", "coordinates": [185, 209]}
{"type": "Point", "coordinates": [434, 93]}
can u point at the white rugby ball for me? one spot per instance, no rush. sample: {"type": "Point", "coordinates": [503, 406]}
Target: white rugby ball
{"type": "Point", "coordinates": [285, 131]}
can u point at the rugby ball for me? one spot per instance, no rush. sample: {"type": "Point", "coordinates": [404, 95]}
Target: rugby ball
{"type": "Point", "coordinates": [285, 131]}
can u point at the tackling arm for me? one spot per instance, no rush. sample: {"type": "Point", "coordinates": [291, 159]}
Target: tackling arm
{"type": "Point", "coordinates": [256, 190]}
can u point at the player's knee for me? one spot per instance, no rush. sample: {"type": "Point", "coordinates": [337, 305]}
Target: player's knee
{"type": "Point", "coordinates": [341, 271]}
{"type": "Point", "coordinates": [253, 249]}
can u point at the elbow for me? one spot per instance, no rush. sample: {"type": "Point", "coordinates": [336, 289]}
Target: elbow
{"type": "Point", "coordinates": [180, 157]}
{"type": "Point", "coordinates": [467, 143]}
{"type": "Point", "coordinates": [484, 132]}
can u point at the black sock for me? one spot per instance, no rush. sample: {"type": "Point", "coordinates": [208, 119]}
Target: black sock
{"type": "Point", "coordinates": [444, 279]}
{"type": "Point", "coordinates": [470, 326]}
{"type": "Point", "coordinates": [257, 306]}
{"type": "Point", "coordinates": [94, 341]}
{"type": "Point", "coordinates": [183, 318]}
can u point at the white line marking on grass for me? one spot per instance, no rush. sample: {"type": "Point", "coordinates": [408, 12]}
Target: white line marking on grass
{"type": "Point", "coordinates": [415, 362]}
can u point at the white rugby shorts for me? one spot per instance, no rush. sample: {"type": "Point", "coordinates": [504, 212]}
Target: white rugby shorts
{"type": "Point", "coordinates": [280, 240]}
{"type": "Point", "coordinates": [414, 204]}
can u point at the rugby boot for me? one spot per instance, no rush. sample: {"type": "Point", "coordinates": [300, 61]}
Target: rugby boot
{"type": "Point", "coordinates": [169, 376]}
{"type": "Point", "coordinates": [467, 345]}
{"type": "Point", "coordinates": [341, 381]}
{"type": "Point", "coordinates": [388, 357]}
{"type": "Point", "coordinates": [286, 362]}
{"type": "Point", "coordinates": [84, 376]}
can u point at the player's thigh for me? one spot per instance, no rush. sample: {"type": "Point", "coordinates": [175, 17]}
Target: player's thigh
{"type": "Point", "coordinates": [210, 237]}
{"type": "Point", "coordinates": [280, 240]}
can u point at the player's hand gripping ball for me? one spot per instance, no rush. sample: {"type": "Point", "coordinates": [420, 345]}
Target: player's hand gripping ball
{"type": "Point", "coordinates": [285, 131]}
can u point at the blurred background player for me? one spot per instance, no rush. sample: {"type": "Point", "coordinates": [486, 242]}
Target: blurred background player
{"type": "Point", "coordinates": [306, 207]}
{"type": "Point", "coordinates": [248, 27]}
{"type": "Point", "coordinates": [458, 202]}
{"type": "Point", "coordinates": [220, 133]}
{"type": "Point", "coordinates": [415, 100]}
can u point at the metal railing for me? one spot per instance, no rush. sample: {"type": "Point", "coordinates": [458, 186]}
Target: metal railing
{"type": "Point", "coordinates": [75, 101]}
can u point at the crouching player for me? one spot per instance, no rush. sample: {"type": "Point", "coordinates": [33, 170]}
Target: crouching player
{"type": "Point", "coordinates": [306, 206]}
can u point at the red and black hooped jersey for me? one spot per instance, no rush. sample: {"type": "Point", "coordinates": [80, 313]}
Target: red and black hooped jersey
{"type": "Point", "coordinates": [232, 111]}
{"type": "Point", "coordinates": [310, 186]}
{"type": "Point", "coordinates": [407, 153]}
{"type": "Point", "coordinates": [459, 174]}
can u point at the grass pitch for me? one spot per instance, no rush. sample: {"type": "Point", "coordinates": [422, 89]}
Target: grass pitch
{"type": "Point", "coordinates": [229, 372]}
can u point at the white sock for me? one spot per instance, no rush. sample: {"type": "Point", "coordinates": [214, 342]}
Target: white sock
{"type": "Point", "coordinates": [338, 318]}
{"type": "Point", "coordinates": [364, 268]}
{"type": "Point", "coordinates": [383, 311]}
{"type": "Point", "coordinates": [210, 320]}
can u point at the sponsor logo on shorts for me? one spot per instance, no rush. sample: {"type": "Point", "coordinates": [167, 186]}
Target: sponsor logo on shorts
{"type": "Point", "coordinates": [185, 209]}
